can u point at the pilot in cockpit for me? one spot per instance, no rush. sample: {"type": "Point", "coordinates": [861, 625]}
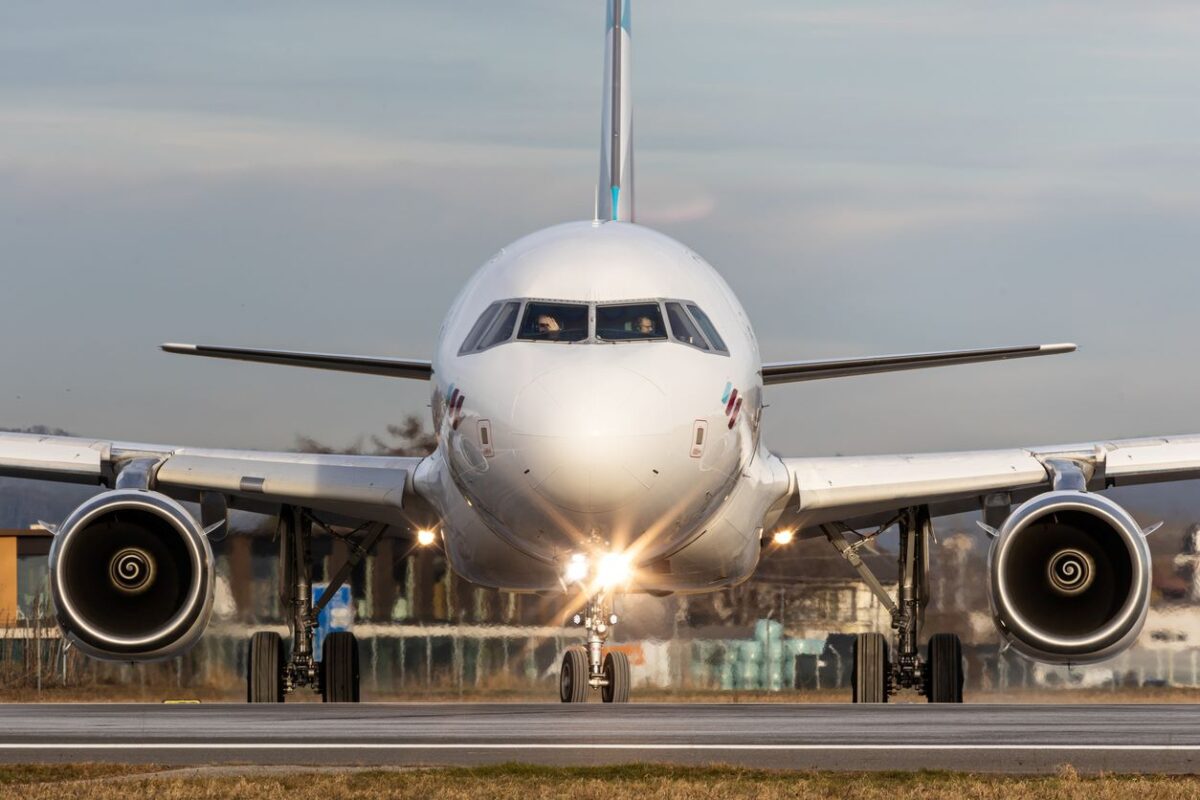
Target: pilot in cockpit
{"type": "Point", "coordinates": [645, 326]}
{"type": "Point", "coordinates": [548, 326]}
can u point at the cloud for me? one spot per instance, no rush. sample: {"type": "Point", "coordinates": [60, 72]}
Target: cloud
{"type": "Point", "coordinates": [1033, 18]}
{"type": "Point", "coordinates": [65, 139]}
{"type": "Point", "coordinates": [677, 210]}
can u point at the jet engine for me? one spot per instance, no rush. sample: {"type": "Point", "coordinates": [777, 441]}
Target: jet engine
{"type": "Point", "coordinates": [1070, 578]}
{"type": "Point", "coordinates": [132, 575]}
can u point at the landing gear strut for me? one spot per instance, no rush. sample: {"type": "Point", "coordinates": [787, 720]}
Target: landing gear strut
{"type": "Point", "coordinates": [587, 666]}
{"type": "Point", "coordinates": [877, 675]}
{"type": "Point", "coordinates": [269, 674]}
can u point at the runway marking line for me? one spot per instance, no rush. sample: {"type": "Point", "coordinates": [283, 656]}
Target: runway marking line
{"type": "Point", "coordinates": [579, 746]}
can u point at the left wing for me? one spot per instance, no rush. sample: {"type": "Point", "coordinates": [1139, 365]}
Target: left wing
{"type": "Point", "coordinates": [370, 488]}
{"type": "Point", "coordinates": [864, 490]}
{"type": "Point", "coordinates": [793, 371]}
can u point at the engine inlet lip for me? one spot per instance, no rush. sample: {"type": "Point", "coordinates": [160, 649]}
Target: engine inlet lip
{"type": "Point", "coordinates": [1126, 619]}
{"type": "Point", "coordinates": [1071, 572]}
{"type": "Point", "coordinates": [194, 607]}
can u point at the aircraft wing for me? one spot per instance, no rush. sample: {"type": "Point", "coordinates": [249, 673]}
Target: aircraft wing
{"type": "Point", "coordinates": [370, 488]}
{"type": "Point", "coordinates": [366, 365]}
{"type": "Point", "coordinates": [794, 371]}
{"type": "Point", "coordinates": [867, 490]}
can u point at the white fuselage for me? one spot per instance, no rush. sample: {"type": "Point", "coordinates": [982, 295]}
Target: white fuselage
{"type": "Point", "coordinates": [648, 448]}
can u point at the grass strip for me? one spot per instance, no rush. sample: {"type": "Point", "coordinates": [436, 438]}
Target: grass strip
{"type": "Point", "coordinates": [525, 782]}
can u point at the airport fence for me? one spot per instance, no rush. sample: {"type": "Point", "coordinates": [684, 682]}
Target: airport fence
{"type": "Point", "coordinates": [398, 659]}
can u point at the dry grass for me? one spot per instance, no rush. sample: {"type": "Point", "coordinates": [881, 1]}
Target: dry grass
{"type": "Point", "coordinates": [89, 782]}
{"type": "Point", "coordinates": [25, 775]}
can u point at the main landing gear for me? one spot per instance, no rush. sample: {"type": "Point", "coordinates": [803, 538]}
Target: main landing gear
{"type": "Point", "coordinates": [876, 675]}
{"type": "Point", "coordinates": [270, 674]}
{"type": "Point", "coordinates": [586, 667]}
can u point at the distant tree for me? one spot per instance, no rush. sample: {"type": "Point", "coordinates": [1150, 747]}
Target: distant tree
{"type": "Point", "coordinates": [409, 438]}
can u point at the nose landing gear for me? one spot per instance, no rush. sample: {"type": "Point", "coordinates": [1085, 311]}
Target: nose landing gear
{"type": "Point", "coordinates": [587, 666]}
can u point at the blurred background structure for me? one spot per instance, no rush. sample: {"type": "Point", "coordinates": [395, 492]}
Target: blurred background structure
{"type": "Point", "coordinates": [423, 630]}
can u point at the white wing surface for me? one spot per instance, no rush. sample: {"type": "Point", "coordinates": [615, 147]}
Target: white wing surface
{"type": "Point", "coordinates": [373, 488]}
{"type": "Point", "coordinates": [862, 490]}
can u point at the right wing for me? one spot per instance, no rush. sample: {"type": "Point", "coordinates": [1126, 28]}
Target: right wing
{"type": "Point", "coordinates": [367, 365]}
{"type": "Point", "coordinates": [368, 488]}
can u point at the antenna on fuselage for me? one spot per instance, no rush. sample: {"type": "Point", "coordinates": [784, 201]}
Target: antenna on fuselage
{"type": "Point", "coordinates": [614, 194]}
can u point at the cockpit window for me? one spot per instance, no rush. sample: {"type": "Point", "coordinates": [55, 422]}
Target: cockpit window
{"type": "Point", "coordinates": [626, 322]}
{"type": "Point", "coordinates": [709, 329]}
{"type": "Point", "coordinates": [470, 344]}
{"type": "Point", "coordinates": [554, 322]}
{"type": "Point", "coordinates": [549, 321]}
{"type": "Point", "coordinates": [501, 329]}
{"type": "Point", "coordinates": [682, 327]}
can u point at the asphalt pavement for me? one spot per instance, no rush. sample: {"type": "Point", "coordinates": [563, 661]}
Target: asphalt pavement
{"type": "Point", "coordinates": [992, 738]}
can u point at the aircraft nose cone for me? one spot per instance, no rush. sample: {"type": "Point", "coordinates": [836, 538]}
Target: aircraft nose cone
{"type": "Point", "coordinates": [590, 437]}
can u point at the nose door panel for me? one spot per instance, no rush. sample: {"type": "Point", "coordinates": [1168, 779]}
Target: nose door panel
{"type": "Point", "coordinates": [592, 438]}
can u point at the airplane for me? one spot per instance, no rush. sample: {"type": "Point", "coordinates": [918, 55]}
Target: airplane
{"type": "Point", "coordinates": [597, 394]}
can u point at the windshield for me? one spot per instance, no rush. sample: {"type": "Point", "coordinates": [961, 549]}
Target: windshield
{"type": "Point", "coordinates": [562, 321]}
{"type": "Point", "coordinates": [682, 327]}
{"type": "Point", "coordinates": [501, 329]}
{"type": "Point", "coordinates": [709, 330]}
{"type": "Point", "coordinates": [472, 341]}
{"type": "Point", "coordinates": [554, 322]}
{"type": "Point", "coordinates": [623, 323]}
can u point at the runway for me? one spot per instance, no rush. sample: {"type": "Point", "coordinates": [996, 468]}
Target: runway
{"type": "Point", "coordinates": [1010, 738]}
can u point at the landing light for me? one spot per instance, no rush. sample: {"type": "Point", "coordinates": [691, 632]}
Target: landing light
{"type": "Point", "coordinates": [613, 570]}
{"type": "Point", "coordinates": [784, 537]}
{"type": "Point", "coordinates": [425, 537]}
{"type": "Point", "coordinates": [577, 568]}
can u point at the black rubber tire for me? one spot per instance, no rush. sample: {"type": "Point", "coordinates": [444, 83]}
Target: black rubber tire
{"type": "Point", "coordinates": [944, 669]}
{"type": "Point", "coordinates": [573, 677]}
{"type": "Point", "coordinates": [616, 672]}
{"type": "Point", "coordinates": [264, 668]}
{"type": "Point", "coordinates": [339, 668]}
{"type": "Point", "coordinates": [869, 678]}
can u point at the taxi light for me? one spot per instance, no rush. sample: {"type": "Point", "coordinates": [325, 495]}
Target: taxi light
{"type": "Point", "coordinates": [784, 537]}
{"type": "Point", "coordinates": [613, 570]}
{"type": "Point", "coordinates": [577, 568]}
{"type": "Point", "coordinates": [425, 537]}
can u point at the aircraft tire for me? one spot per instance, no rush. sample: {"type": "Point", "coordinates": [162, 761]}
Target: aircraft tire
{"type": "Point", "coordinates": [573, 677]}
{"type": "Point", "coordinates": [339, 668]}
{"type": "Point", "coordinates": [616, 672]}
{"type": "Point", "coordinates": [869, 679]}
{"type": "Point", "coordinates": [264, 668]}
{"type": "Point", "coordinates": [944, 669]}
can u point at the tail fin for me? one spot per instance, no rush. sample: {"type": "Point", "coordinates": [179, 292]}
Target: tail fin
{"type": "Point", "coordinates": [614, 199]}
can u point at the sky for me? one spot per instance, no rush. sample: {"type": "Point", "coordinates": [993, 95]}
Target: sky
{"type": "Point", "coordinates": [874, 177]}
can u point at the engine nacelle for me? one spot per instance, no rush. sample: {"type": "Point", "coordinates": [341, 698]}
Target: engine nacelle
{"type": "Point", "coordinates": [132, 577]}
{"type": "Point", "coordinates": [1070, 578]}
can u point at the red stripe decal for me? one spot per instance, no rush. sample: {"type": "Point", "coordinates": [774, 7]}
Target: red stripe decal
{"type": "Point", "coordinates": [733, 417]}
{"type": "Point", "coordinates": [730, 404]}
